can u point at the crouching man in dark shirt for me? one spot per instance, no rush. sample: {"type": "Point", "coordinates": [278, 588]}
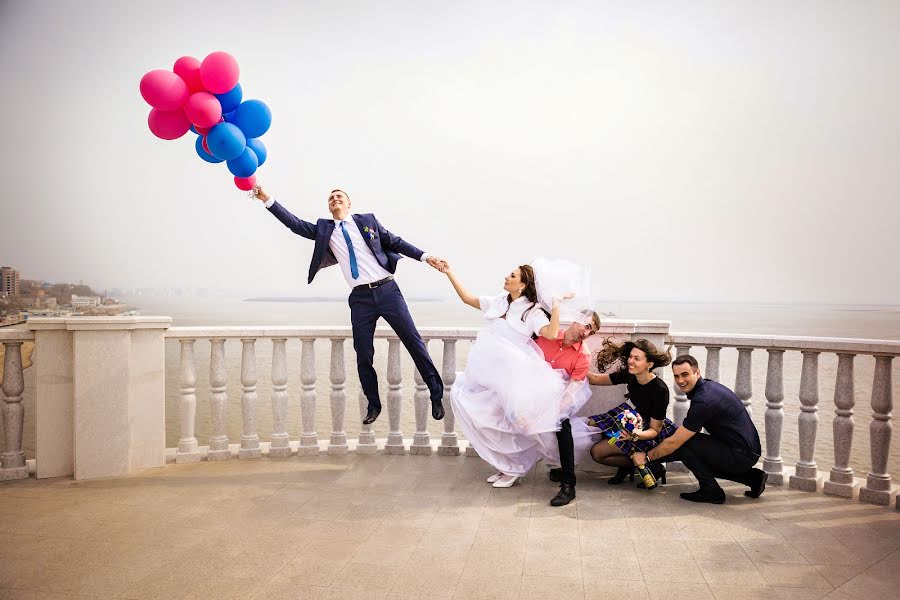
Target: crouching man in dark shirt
{"type": "Point", "coordinates": [730, 447]}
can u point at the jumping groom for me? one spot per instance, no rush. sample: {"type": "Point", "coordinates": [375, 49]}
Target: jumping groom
{"type": "Point", "coordinates": [367, 254]}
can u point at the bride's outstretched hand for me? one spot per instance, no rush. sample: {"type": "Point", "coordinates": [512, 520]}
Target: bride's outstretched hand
{"type": "Point", "coordinates": [444, 268]}
{"type": "Point", "coordinates": [566, 296]}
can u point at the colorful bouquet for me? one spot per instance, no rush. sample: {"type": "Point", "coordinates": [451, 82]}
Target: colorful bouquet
{"type": "Point", "coordinates": [629, 423]}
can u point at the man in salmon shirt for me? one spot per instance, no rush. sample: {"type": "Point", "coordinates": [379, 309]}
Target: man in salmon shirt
{"type": "Point", "coordinates": [566, 353]}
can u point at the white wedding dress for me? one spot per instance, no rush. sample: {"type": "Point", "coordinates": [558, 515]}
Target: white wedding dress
{"type": "Point", "coordinates": [509, 395]}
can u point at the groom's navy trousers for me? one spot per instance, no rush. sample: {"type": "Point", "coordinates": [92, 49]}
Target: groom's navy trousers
{"type": "Point", "coordinates": [367, 304]}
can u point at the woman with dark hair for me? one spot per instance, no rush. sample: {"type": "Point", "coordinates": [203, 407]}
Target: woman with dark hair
{"type": "Point", "coordinates": [509, 395]}
{"type": "Point", "coordinates": [648, 396]}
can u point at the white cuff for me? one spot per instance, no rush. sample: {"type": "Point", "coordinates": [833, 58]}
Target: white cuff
{"type": "Point", "coordinates": [424, 257]}
{"type": "Point", "coordinates": [268, 203]}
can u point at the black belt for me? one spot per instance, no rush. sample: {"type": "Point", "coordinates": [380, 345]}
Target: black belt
{"type": "Point", "coordinates": [374, 284]}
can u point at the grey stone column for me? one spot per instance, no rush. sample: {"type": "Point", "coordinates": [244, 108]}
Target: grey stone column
{"type": "Point", "coordinates": [188, 449]}
{"type": "Point", "coordinates": [338, 442]}
{"type": "Point", "coordinates": [679, 411]}
{"type": "Point", "coordinates": [841, 481]}
{"type": "Point", "coordinates": [12, 460]}
{"type": "Point", "coordinates": [218, 401]}
{"type": "Point", "coordinates": [366, 443]}
{"type": "Point", "coordinates": [279, 446]}
{"type": "Point", "coordinates": [249, 438]}
{"type": "Point", "coordinates": [878, 483]}
{"type": "Point", "coordinates": [806, 475]}
{"type": "Point", "coordinates": [743, 383]}
{"type": "Point", "coordinates": [449, 441]}
{"type": "Point", "coordinates": [421, 444]}
{"type": "Point", "coordinates": [774, 417]}
{"type": "Point", "coordinates": [394, 443]}
{"type": "Point", "coordinates": [309, 439]}
{"type": "Point", "coordinates": [712, 363]}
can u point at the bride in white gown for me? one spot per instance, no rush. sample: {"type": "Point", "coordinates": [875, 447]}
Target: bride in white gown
{"type": "Point", "coordinates": [509, 395]}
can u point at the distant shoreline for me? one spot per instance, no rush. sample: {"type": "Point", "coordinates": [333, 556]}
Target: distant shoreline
{"type": "Point", "coordinates": [323, 299]}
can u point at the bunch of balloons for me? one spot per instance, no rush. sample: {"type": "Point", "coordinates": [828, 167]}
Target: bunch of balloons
{"type": "Point", "coordinates": [206, 98]}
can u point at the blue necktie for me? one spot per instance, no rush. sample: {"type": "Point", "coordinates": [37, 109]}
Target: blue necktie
{"type": "Point", "coordinates": [354, 270]}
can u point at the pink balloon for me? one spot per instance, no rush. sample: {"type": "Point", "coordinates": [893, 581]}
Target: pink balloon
{"type": "Point", "coordinates": [188, 68]}
{"type": "Point", "coordinates": [168, 124]}
{"type": "Point", "coordinates": [245, 183]}
{"type": "Point", "coordinates": [164, 89]}
{"type": "Point", "coordinates": [203, 109]}
{"type": "Point", "coordinates": [219, 72]}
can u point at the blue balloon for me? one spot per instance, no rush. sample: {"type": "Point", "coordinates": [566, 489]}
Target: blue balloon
{"type": "Point", "coordinates": [259, 149]}
{"type": "Point", "coordinates": [244, 165]}
{"type": "Point", "coordinates": [229, 116]}
{"type": "Point", "coordinates": [226, 141]}
{"type": "Point", "coordinates": [194, 129]}
{"type": "Point", "coordinates": [231, 99]}
{"type": "Point", "coordinates": [198, 146]}
{"type": "Point", "coordinates": [253, 117]}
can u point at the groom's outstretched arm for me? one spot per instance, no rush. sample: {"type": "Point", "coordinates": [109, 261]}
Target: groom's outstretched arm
{"type": "Point", "coordinates": [398, 244]}
{"type": "Point", "coordinates": [298, 226]}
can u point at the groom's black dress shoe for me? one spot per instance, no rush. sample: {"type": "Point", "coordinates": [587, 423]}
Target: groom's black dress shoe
{"type": "Point", "coordinates": [437, 410]}
{"type": "Point", "coordinates": [371, 415]}
{"type": "Point", "coordinates": [565, 495]}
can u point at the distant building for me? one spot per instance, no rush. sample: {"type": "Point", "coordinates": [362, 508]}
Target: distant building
{"type": "Point", "coordinates": [85, 302]}
{"type": "Point", "coordinates": [9, 282]}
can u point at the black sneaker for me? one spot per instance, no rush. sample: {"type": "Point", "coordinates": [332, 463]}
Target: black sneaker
{"type": "Point", "coordinates": [705, 496]}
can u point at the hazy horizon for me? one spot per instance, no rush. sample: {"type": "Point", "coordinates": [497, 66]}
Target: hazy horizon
{"type": "Point", "coordinates": [693, 152]}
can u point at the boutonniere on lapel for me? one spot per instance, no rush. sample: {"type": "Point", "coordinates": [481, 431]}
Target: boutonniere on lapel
{"type": "Point", "coordinates": [369, 232]}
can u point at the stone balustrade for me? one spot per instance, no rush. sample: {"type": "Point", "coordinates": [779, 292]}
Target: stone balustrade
{"type": "Point", "coordinates": [94, 376]}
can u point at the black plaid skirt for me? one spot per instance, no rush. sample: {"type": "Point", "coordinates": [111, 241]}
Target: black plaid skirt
{"type": "Point", "coordinates": [608, 427]}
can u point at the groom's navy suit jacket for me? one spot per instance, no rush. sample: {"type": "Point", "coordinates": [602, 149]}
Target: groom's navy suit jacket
{"type": "Point", "coordinates": [386, 246]}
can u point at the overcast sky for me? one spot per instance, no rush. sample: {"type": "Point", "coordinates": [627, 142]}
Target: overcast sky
{"type": "Point", "coordinates": [708, 150]}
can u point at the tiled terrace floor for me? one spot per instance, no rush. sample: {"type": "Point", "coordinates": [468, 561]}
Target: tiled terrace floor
{"type": "Point", "coordinates": [411, 527]}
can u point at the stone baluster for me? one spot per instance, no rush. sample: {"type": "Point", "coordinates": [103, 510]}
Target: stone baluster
{"type": "Point", "coordinates": [249, 438]}
{"type": "Point", "coordinates": [774, 417]}
{"type": "Point", "coordinates": [12, 461]}
{"type": "Point", "coordinates": [421, 401]}
{"type": "Point", "coordinates": [711, 369]}
{"type": "Point", "coordinates": [840, 481]}
{"type": "Point", "coordinates": [394, 443]}
{"type": "Point", "coordinates": [449, 441]}
{"type": "Point", "coordinates": [218, 401]}
{"type": "Point", "coordinates": [681, 400]}
{"type": "Point", "coordinates": [366, 443]}
{"type": "Point", "coordinates": [806, 475]}
{"type": "Point", "coordinates": [338, 442]}
{"type": "Point", "coordinates": [280, 446]}
{"type": "Point", "coordinates": [878, 483]}
{"type": "Point", "coordinates": [743, 384]}
{"type": "Point", "coordinates": [309, 440]}
{"type": "Point", "coordinates": [188, 449]}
